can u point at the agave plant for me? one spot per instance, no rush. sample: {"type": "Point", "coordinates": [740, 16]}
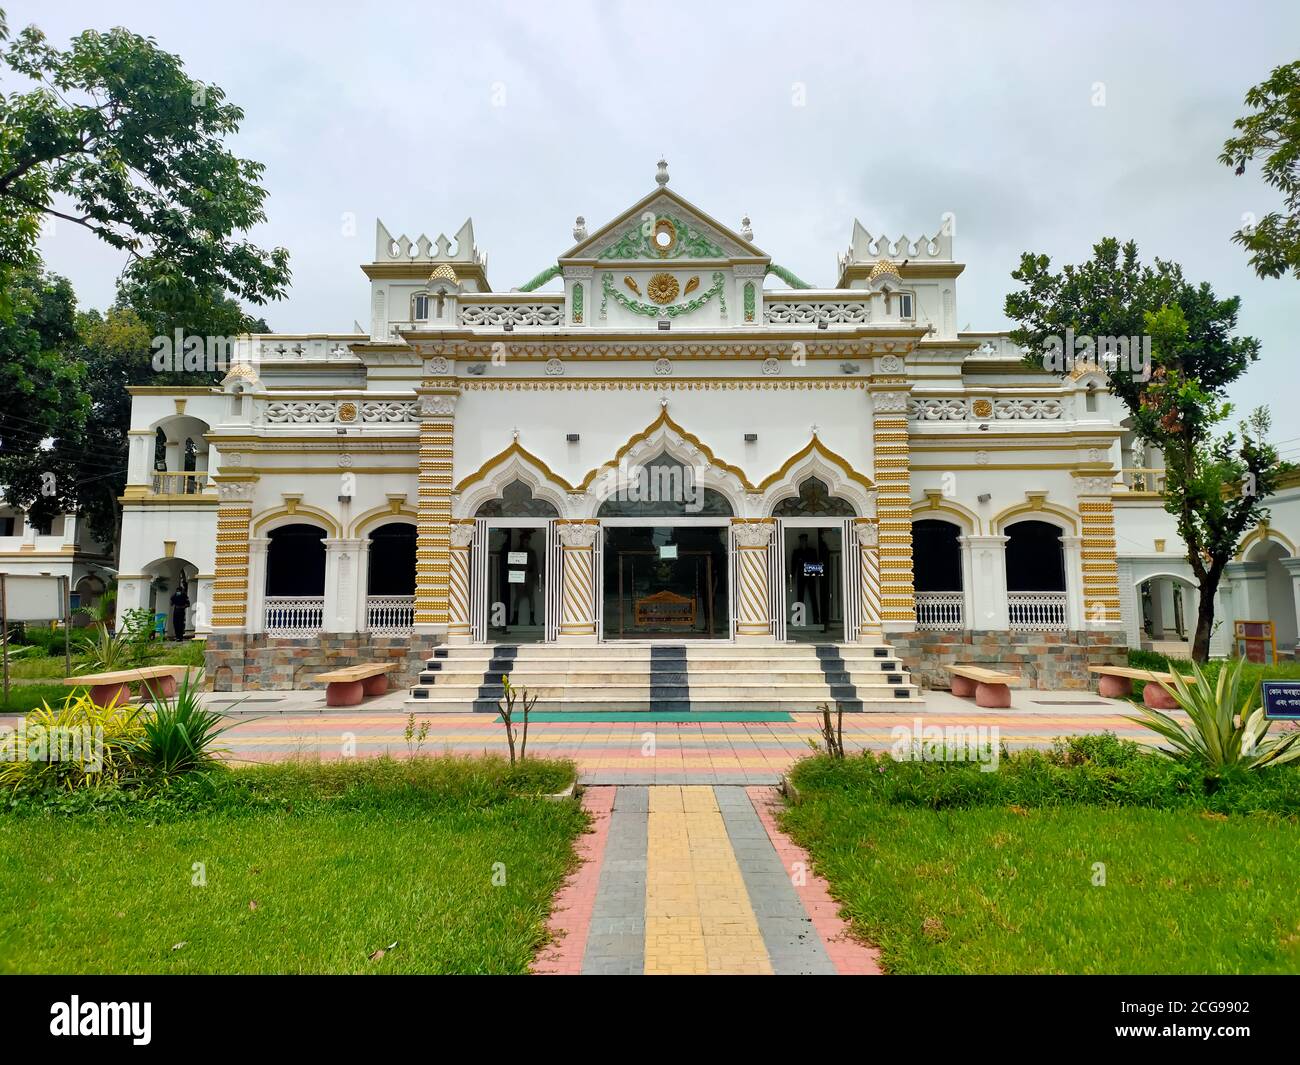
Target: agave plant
{"type": "Point", "coordinates": [179, 734]}
{"type": "Point", "coordinates": [105, 652]}
{"type": "Point", "coordinates": [1226, 725]}
{"type": "Point", "coordinates": [76, 745]}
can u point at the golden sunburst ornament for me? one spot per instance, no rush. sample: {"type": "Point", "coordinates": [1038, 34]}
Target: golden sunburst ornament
{"type": "Point", "coordinates": [663, 288]}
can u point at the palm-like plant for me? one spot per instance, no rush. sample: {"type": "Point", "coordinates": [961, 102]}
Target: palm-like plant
{"type": "Point", "coordinates": [179, 734]}
{"type": "Point", "coordinates": [105, 652]}
{"type": "Point", "coordinates": [1227, 725]}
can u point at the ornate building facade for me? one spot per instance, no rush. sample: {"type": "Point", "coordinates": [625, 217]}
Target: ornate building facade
{"type": "Point", "coordinates": [665, 435]}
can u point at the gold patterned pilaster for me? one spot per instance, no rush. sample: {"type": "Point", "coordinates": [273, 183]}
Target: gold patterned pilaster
{"type": "Point", "coordinates": [891, 456]}
{"type": "Point", "coordinates": [433, 534]}
{"type": "Point", "coordinates": [1097, 548]}
{"type": "Point", "coordinates": [578, 580]}
{"type": "Point", "coordinates": [230, 580]}
{"type": "Point", "coordinates": [462, 536]}
{"type": "Point", "coordinates": [753, 613]}
{"type": "Point", "coordinates": [869, 630]}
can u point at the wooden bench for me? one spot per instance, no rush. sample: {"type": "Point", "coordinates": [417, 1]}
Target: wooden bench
{"type": "Point", "coordinates": [989, 686]}
{"type": "Point", "coordinates": [157, 682]}
{"type": "Point", "coordinates": [349, 685]}
{"type": "Point", "coordinates": [1116, 682]}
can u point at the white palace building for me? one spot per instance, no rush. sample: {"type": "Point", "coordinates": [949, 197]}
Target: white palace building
{"type": "Point", "coordinates": [664, 457]}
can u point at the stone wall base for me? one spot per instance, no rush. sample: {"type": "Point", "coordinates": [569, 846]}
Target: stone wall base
{"type": "Point", "coordinates": [1044, 660]}
{"type": "Point", "coordinates": [237, 662]}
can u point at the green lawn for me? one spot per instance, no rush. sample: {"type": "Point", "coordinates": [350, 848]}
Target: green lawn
{"type": "Point", "coordinates": [308, 870]}
{"type": "Point", "coordinates": [974, 887]}
{"type": "Point", "coordinates": [43, 667]}
{"type": "Point", "coordinates": [24, 697]}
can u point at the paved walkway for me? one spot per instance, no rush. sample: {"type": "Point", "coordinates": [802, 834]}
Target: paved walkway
{"type": "Point", "coordinates": [637, 752]}
{"type": "Point", "coordinates": [695, 881]}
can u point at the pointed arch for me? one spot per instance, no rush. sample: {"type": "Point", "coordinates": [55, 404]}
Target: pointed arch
{"type": "Point", "coordinates": [515, 463]}
{"type": "Point", "coordinates": [815, 459]}
{"type": "Point", "coordinates": [1261, 534]}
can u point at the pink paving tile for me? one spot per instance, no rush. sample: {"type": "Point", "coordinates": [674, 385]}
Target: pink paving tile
{"type": "Point", "coordinates": [848, 955]}
{"type": "Point", "coordinates": [571, 915]}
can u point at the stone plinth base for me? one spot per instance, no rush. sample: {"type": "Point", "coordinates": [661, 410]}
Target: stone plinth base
{"type": "Point", "coordinates": [236, 662]}
{"type": "Point", "coordinates": [1044, 660]}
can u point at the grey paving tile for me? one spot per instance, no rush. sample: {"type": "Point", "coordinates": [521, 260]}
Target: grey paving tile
{"type": "Point", "coordinates": [616, 938]}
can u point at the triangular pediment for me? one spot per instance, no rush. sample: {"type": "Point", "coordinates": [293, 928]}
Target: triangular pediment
{"type": "Point", "coordinates": [663, 228]}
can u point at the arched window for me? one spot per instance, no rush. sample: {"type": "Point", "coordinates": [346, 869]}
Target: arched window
{"type": "Point", "coordinates": [663, 488]}
{"type": "Point", "coordinates": [392, 560]}
{"type": "Point", "coordinates": [1035, 561]}
{"type": "Point", "coordinates": [936, 568]}
{"type": "Point", "coordinates": [814, 501]}
{"type": "Point", "coordinates": [295, 561]}
{"type": "Point", "coordinates": [517, 501]}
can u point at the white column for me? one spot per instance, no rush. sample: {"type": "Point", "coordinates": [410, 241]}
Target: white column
{"type": "Point", "coordinates": [967, 583]}
{"type": "Point", "coordinates": [201, 596]}
{"type": "Point", "coordinates": [340, 584]}
{"type": "Point", "coordinates": [1292, 567]}
{"type": "Point", "coordinates": [362, 592]}
{"type": "Point", "coordinates": [578, 581]}
{"type": "Point", "coordinates": [1075, 621]}
{"type": "Point", "coordinates": [988, 598]}
{"type": "Point", "coordinates": [140, 456]}
{"type": "Point", "coordinates": [750, 596]}
{"type": "Point", "coordinates": [257, 547]}
{"type": "Point", "coordinates": [1249, 591]}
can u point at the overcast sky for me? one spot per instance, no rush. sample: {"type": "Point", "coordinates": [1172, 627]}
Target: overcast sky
{"type": "Point", "coordinates": [804, 116]}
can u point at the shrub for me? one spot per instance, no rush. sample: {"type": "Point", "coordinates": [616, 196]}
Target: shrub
{"type": "Point", "coordinates": [1227, 725]}
{"type": "Point", "coordinates": [105, 652]}
{"type": "Point", "coordinates": [78, 745]}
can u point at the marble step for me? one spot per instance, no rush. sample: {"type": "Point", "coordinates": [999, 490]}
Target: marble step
{"type": "Point", "coordinates": [901, 699]}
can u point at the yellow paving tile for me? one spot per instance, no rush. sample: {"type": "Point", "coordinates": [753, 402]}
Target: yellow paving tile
{"type": "Point", "coordinates": [698, 915]}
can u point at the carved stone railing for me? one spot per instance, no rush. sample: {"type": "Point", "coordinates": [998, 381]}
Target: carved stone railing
{"type": "Point", "coordinates": [1140, 480]}
{"type": "Point", "coordinates": [285, 616]}
{"type": "Point", "coordinates": [810, 312]}
{"type": "Point", "coordinates": [939, 610]}
{"type": "Point", "coordinates": [1036, 611]}
{"type": "Point", "coordinates": [177, 483]}
{"type": "Point", "coordinates": [341, 411]}
{"type": "Point", "coordinates": [1000, 409]}
{"type": "Point", "coordinates": [390, 615]}
{"type": "Point", "coordinates": [519, 315]}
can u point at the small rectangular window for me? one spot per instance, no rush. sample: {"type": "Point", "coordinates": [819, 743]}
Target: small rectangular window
{"type": "Point", "coordinates": [6, 526]}
{"type": "Point", "coordinates": [421, 308]}
{"type": "Point", "coordinates": [905, 305]}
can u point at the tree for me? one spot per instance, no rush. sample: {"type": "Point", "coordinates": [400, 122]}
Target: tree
{"type": "Point", "coordinates": [1272, 132]}
{"type": "Point", "coordinates": [44, 402]}
{"type": "Point", "coordinates": [114, 136]}
{"type": "Point", "coordinates": [1215, 483]}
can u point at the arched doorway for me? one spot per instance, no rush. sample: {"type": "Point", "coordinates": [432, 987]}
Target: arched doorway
{"type": "Point", "coordinates": [180, 458]}
{"type": "Point", "coordinates": [172, 596]}
{"type": "Point", "coordinates": [810, 530]}
{"type": "Point", "coordinates": [1167, 611]}
{"type": "Point", "coordinates": [390, 579]}
{"type": "Point", "coordinates": [937, 576]}
{"type": "Point", "coordinates": [1279, 594]}
{"type": "Point", "coordinates": [664, 563]}
{"type": "Point", "coordinates": [510, 582]}
{"type": "Point", "coordinates": [295, 580]}
{"type": "Point", "coordinates": [1036, 589]}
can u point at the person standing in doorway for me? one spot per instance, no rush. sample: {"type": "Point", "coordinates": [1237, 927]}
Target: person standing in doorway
{"type": "Point", "coordinates": [808, 567]}
{"type": "Point", "coordinates": [180, 603]}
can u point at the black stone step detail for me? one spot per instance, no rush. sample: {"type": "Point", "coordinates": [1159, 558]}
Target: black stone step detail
{"type": "Point", "coordinates": [419, 693]}
{"type": "Point", "coordinates": [880, 652]}
{"type": "Point", "coordinates": [832, 665]}
{"type": "Point", "coordinates": [490, 692]}
{"type": "Point", "coordinates": [428, 678]}
{"type": "Point", "coordinates": [901, 693]}
{"type": "Point", "coordinates": [894, 678]}
{"type": "Point", "coordinates": [668, 676]}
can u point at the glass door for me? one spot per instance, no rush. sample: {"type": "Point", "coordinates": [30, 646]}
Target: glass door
{"type": "Point", "coordinates": [665, 582]}
{"type": "Point", "coordinates": [814, 574]}
{"type": "Point", "coordinates": [516, 583]}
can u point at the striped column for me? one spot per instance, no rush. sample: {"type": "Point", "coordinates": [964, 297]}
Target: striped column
{"type": "Point", "coordinates": [1097, 550]}
{"type": "Point", "coordinates": [752, 539]}
{"type": "Point", "coordinates": [433, 534]}
{"type": "Point", "coordinates": [891, 455]}
{"type": "Point", "coordinates": [868, 535]}
{"type": "Point", "coordinates": [462, 536]}
{"type": "Point", "coordinates": [230, 579]}
{"type": "Point", "coordinates": [578, 580]}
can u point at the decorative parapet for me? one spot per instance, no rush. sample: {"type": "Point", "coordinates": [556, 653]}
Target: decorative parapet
{"type": "Point", "coordinates": [812, 308]}
{"type": "Point", "coordinates": [865, 248]}
{"type": "Point", "coordinates": [402, 249]}
{"type": "Point", "coordinates": [289, 348]}
{"type": "Point", "coordinates": [538, 311]}
{"type": "Point", "coordinates": [959, 409]}
{"type": "Point", "coordinates": [340, 412]}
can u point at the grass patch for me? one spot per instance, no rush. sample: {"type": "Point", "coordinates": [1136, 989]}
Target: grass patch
{"type": "Point", "coordinates": [41, 667]}
{"type": "Point", "coordinates": [1251, 672]}
{"type": "Point", "coordinates": [950, 873]}
{"type": "Point", "coordinates": [309, 868]}
{"type": "Point", "coordinates": [25, 697]}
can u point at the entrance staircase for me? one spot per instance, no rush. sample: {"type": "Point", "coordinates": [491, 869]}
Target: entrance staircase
{"type": "Point", "coordinates": [664, 677]}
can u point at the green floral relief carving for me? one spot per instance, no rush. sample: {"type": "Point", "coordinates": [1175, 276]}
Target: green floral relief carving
{"type": "Point", "coordinates": [576, 303]}
{"type": "Point", "coordinates": [636, 243]}
{"type": "Point", "coordinates": [749, 301]}
{"type": "Point", "coordinates": [672, 310]}
{"type": "Point", "coordinates": [541, 279]}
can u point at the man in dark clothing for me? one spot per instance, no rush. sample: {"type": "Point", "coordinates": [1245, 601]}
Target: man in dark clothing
{"type": "Point", "coordinates": [808, 568]}
{"type": "Point", "coordinates": [521, 592]}
{"type": "Point", "coordinates": [180, 602]}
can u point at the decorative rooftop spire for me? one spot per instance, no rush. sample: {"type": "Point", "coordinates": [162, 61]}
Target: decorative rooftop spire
{"type": "Point", "coordinates": [661, 176]}
{"type": "Point", "coordinates": [746, 230]}
{"type": "Point", "coordinates": [579, 228]}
